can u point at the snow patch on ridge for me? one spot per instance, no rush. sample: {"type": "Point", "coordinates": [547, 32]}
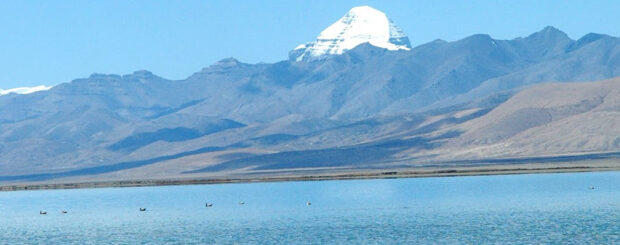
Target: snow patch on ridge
{"type": "Point", "coordinates": [25, 90]}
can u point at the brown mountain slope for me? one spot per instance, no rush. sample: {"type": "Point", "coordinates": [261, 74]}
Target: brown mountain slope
{"type": "Point", "coordinates": [548, 119]}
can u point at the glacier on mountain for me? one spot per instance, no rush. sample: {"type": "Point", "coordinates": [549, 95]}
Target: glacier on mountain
{"type": "Point", "coordinates": [361, 24]}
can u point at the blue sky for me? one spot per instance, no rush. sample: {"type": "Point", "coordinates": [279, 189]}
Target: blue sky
{"type": "Point", "coordinates": [50, 42]}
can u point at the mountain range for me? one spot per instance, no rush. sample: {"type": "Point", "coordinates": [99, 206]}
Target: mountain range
{"type": "Point", "coordinates": [342, 107]}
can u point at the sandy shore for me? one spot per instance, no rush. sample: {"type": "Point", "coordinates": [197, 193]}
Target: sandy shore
{"type": "Point", "coordinates": [529, 168]}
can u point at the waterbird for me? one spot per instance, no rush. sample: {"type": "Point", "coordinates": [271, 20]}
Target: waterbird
{"type": "Point", "coordinates": [591, 187]}
{"type": "Point", "coordinates": [208, 205]}
{"type": "Point", "coordinates": [63, 211]}
{"type": "Point", "coordinates": [308, 203]}
{"type": "Point", "coordinates": [241, 202]}
{"type": "Point", "coordinates": [142, 209]}
{"type": "Point", "coordinates": [42, 212]}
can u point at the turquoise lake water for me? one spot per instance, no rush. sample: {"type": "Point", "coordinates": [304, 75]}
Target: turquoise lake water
{"type": "Point", "coordinates": [534, 208]}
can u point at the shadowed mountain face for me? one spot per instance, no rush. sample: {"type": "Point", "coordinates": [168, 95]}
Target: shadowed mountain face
{"type": "Point", "coordinates": [337, 111]}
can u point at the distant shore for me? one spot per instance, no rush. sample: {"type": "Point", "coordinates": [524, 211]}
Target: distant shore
{"type": "Point", "coordinates": [347, 175]}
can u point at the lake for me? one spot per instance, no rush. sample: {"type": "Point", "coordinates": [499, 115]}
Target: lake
{"type": "Point", "coordinates": [532, 208]}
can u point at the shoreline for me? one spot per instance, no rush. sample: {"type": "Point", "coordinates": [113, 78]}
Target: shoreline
{"type": "Point", "coordinates": [353, 175]}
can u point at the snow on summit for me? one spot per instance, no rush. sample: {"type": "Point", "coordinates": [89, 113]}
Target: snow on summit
{"type": "Point", "coordinates": [361, 24]}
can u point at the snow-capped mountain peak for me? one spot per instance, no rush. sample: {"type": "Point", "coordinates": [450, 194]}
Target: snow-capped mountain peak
{"type": "Point", "coordinates": [361, 24]}
{"type": "Point", "coordinates": [25, 90]}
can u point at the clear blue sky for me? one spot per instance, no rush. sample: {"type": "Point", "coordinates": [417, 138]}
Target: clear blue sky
{"type": "Point", "coordinates": [50, 42]}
